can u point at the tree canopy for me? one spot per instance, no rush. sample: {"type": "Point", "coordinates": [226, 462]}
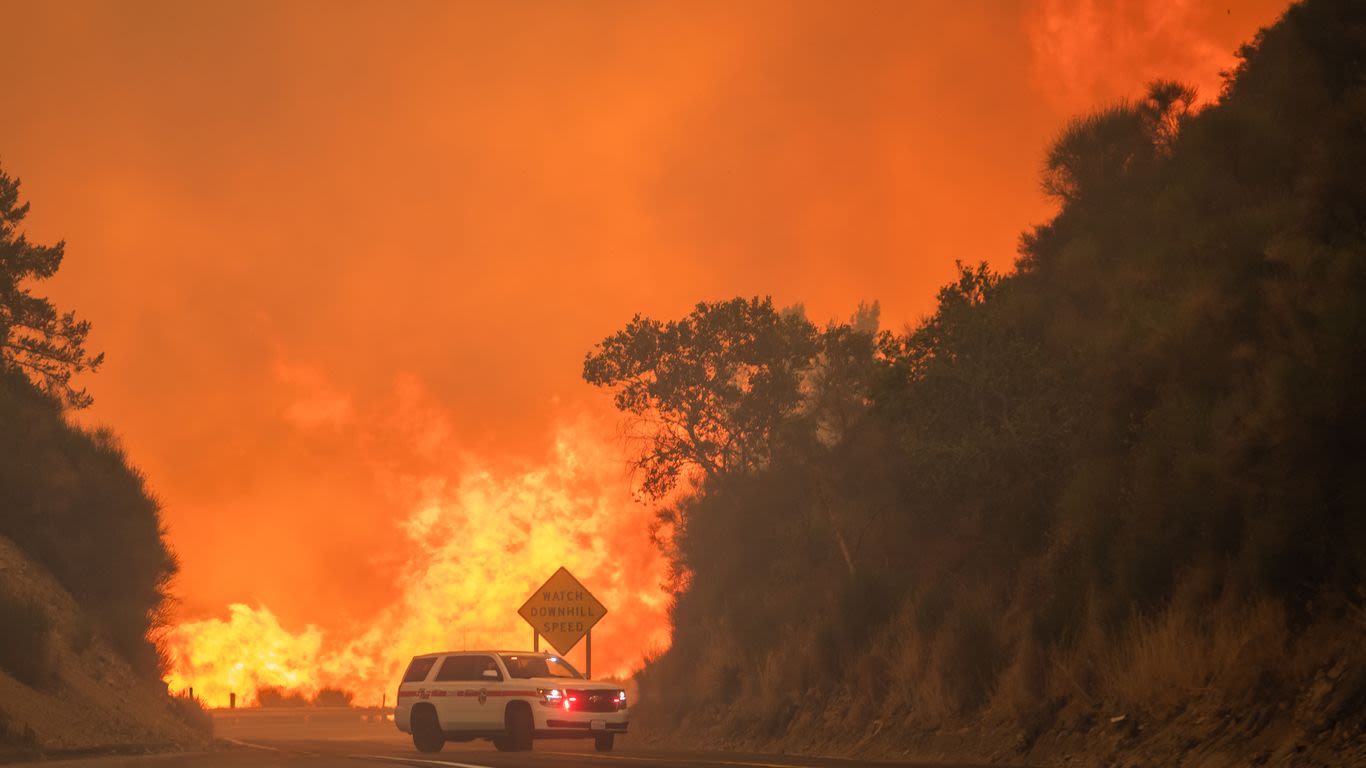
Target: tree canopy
{"type": "Point", "coordinates": [710, 388]}
{"type": "Point", "coordinates": [68, 495]}
{"type": "Point", "coordinates": [47, 345]}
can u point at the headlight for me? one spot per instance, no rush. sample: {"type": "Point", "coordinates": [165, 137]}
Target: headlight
{"type": "Point", "coordinates": [550, 697]}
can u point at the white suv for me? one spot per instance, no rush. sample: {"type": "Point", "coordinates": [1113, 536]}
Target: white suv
{"type": "Point", "coordinates": [509, 697]}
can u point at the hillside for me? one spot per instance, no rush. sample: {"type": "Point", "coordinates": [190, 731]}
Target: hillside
{"type": "Point", "coordinates": [1107, 507]}
{"type": "Point", "coordinates": [77, 692]}
{"type": "Point", "coordinates": [84, 569]}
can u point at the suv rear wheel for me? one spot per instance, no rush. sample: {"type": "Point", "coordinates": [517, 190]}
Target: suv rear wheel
{"type": "Point", "coordinates": [427, 736]}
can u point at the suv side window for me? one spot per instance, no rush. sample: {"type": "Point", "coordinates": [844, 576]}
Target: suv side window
{"type": "Point", "coordinates": [487, 662]}
{"type": "Point", "coordinates": [455, 668]}
{"type": "Point", "coordinates": [466, 668]}
{"type": "Point", "coordinates": [418, 670]}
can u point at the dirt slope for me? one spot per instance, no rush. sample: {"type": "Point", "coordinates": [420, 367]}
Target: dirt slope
{"type": "Point", "coordinates": [95, 700]}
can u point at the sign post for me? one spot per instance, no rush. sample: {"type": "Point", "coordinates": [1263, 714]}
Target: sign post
{"type": "Point", "coordinates": [563, 611]}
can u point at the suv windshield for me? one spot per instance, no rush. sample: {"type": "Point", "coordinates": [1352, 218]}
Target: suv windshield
{"type": "Point", "coordinates": [539, 666]}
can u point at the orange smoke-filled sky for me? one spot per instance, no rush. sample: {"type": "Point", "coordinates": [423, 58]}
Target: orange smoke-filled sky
{"type": "Point", "coordinates": [333, 247]}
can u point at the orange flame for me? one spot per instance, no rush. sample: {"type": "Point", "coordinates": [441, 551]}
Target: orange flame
{"type": "Point", "coordinates": [248, 651]}
{"type": "Point", "coordinates": [483, 542]}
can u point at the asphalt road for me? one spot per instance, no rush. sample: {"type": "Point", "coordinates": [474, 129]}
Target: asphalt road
{"type": "Point", "coordinates": [294, 744]}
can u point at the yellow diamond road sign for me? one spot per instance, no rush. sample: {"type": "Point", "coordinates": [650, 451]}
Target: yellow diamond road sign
{"type": "Point", "coordinates": [562, 611]}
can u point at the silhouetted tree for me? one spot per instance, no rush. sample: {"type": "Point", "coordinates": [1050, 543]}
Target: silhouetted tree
{"type": "Point", "coordinates": [68, 496]}
{"type": "Point", "coordinates": [710, 389]}
{"type": "Point", "coordinates": [1098, 149]}
{"type": "Point", "coordinates": [48, 346]}
{"type": "Point", "coordinates": [841, 381]}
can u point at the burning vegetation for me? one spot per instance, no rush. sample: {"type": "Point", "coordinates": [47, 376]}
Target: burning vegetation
{"type": "Point", "coordinates": [480, 543]}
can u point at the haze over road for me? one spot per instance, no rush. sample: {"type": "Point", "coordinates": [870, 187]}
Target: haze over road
{"type": "Point", "coordinates": [273, 742]}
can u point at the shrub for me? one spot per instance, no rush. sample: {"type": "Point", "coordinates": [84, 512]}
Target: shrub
{"type": "Point", "coordinates": [333, 697]}
{"type": "Point", "coordinates": [276, 697]}
{"type": "Point", "coordinates": [15, 734]}
{"type": "Point", "coordinates": [966, 656]}
{"type": "Point", "coordinates": [26, 642]}
{"type": "Point", "coordinates": [74, 504]}
{"type": "Point", "coordinates": [191, 712]}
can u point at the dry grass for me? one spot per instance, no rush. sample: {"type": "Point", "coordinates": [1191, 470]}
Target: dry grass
{"type": "Point", "coordinates": [1163, 663]}
{"type": "Point", "coordinates": [100, 701]}
{"type": "Point", "coordinates": [975, 670]}
{"type": "Point", "coordinates": [191, 712]}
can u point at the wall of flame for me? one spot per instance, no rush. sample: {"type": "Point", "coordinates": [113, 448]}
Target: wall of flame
{"type": "Point", "coordinates": [481, 543]}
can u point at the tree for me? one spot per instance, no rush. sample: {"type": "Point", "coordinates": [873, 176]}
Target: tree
{"type": "Point", "coordinates": [709, 389]}
{"type": "Point", "coordinates": [49, 347]}
{"type": "Point", "coordinates": [841, 381]}
{"type": "Point", "coordinates": [1097, 150]}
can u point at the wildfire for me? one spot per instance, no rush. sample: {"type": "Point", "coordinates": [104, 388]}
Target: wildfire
{"type": "Point", "coordinates": [248, 651]}
{"type": "Point", "coordinates": [482, 541]}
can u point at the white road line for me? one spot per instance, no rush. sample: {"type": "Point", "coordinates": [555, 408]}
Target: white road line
{"type": "Point", "coordinates": [241, 743]}
{"type": "Point", "coordinates": [702, 761]}
{"type": "Point", "coordinates": [417, 760]}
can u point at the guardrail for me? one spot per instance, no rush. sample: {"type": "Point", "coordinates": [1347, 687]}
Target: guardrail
{"type": "Point", "coordinates": [329, 715]}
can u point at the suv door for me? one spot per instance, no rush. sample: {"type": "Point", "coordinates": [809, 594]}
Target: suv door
{"type": "Point", "coordinates": [461, 692]}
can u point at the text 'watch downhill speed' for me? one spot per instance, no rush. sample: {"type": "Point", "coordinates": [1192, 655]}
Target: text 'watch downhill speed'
{"type": "Point", "coordinates": [508, 697]}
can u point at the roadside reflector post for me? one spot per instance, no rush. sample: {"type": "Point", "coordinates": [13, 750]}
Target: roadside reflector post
{"type": "Point", "coordinates": [232, 701]}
